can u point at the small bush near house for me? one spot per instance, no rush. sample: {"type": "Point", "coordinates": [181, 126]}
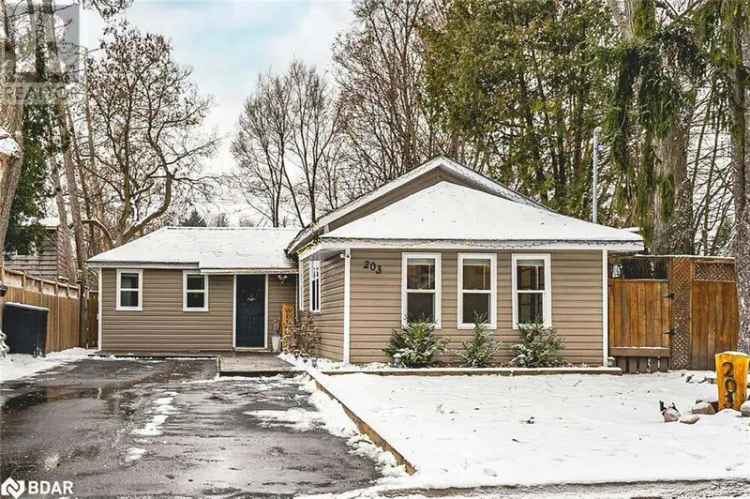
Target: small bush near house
{"type": "Point", "coordinates": [479, 351]}
{"type": "Point", "coordinates": [303, 337]}
{"type": "Point", "coordinates": [414, 345]}
{"type": "Point", "coordinates": [539, 347]}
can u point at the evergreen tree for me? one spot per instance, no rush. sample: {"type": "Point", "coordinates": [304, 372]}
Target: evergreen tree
{"type": "Point", "coordinates": [29, 203]}
{"type": "Point", "coordinates": [193, 220]}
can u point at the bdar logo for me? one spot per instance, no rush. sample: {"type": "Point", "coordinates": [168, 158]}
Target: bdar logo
{"type": "Point", "coordinates": [12, 487]}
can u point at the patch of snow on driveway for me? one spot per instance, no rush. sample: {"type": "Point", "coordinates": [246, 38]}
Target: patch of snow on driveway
{"type": "Point", "coordinates": [19, 365]}
{"type": "Point", "coordinates": [466, 431]}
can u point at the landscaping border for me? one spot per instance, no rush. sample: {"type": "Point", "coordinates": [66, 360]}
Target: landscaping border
{"type": "Point", "coordinates": [478, 371]}
{"type": "Point", "coordinates": [364, 426]}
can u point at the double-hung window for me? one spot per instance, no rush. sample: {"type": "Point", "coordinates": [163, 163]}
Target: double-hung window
{"type": "Point", "coordinates": [532, 297]}
{"type": "Point", "coordinates": [129, 289]}
{"type": "Point", "coordinates": [477, 289]}
{"type": "Point", "coordinates": [194, 292]}
{"type": "Point", "coordinates": [420, 288]}
{"type": "Point", "coordinates": [314, 285]}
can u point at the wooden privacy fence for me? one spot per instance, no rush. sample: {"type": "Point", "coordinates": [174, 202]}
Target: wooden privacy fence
{"type": "Point", "coordinates": [671, 312]}
{"type": "Point", "coordinates": [60, 299]}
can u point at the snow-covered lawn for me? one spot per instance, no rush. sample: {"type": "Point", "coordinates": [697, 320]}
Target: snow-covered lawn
{"type": "Point", "coordinates": [18, 365]}
{"type": "Point", "coordinates": [465, 431]}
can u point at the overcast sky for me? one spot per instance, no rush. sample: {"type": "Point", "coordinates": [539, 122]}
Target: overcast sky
{"type": "Point", "coordinates": [229, 42]}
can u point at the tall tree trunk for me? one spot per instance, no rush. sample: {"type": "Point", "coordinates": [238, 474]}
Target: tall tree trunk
{"type": "Point", "coordinates": [741, 164]}
{"type": "Point", "coordinates": [673, 193]}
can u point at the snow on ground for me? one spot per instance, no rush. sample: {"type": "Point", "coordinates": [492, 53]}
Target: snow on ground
{"type": "Point", "coordinates": [18, 365]}
{"type": "Point", "coordinates": [467, 431]}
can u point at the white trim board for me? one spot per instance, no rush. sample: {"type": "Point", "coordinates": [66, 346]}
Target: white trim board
{"type": "Point", "coordinates": [605, 308]}
{"type": "Point", "coordinates": [347, 305]}
{"type": "Point", "coordinates": [100, 317]}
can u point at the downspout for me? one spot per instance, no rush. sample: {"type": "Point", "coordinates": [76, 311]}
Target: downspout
{"type": "Point", "coordinates": [347, 303]}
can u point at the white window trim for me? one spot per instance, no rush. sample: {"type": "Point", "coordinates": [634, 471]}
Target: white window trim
{"type": "Point", "coordinates": [405, 257]}
{"type": "Point", "coordinates": [547, 307]}
{"type": "Point", "coordinates": [311, 269]}
{"type": "Point", "coordinates": [492, 319]}
{"type": "Point", "coordinates": [119, 306]}
{"type": "Point", "coordinates": [185, 308]}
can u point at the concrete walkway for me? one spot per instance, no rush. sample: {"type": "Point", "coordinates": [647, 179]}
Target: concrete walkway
{"type": "Point", "coordinates": [255, 364]}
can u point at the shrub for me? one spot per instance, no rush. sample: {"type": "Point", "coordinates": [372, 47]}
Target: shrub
{"type": "Point", "coordinates": [539, 347]}
{"type": "Point", "coordinates": [414, 345]}
{"type": "Point", "coordinates": [479, 351]}
{"type": "Point", "coordinates": [303, 337]}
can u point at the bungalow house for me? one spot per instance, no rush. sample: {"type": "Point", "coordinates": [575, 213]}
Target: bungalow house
{"type": "Point", "coordinates": [441, 242]}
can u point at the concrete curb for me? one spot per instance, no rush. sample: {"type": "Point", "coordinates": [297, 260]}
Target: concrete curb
{"type": "Point", "coordinates": [364, 426]}
{"type": "Point", "coordinates": [494, 371]}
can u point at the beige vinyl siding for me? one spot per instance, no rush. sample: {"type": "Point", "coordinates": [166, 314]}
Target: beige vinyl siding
{"type": "Point", "coordinates": [279, 293]}
{"type": "Point", "coordinates": [330, 319]}
{"type": "Point", "coordinates": [162, 325]}
{"type": "Point", "coordinates": [576, 304]}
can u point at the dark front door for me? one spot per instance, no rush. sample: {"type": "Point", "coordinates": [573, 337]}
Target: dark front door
{"type": "Point", "coordinates": [250, 323]}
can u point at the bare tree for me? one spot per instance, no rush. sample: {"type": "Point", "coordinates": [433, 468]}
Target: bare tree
{"type": "Point", "coordinates": [316, 137]}
{"type": "Point", "coordinates": [380, 69]}
{"type": "Point", "coordinates": [260, 149]}
{"type": "Point", "coordinates": [145, 124]}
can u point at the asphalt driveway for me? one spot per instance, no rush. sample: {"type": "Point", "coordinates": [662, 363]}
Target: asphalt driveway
{"type": "Point", "coordinates": [137, 427]}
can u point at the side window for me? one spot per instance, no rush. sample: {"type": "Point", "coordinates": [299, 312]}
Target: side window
{"type": "Point", "coordinates": [314, 285]}
{"type": "Point", "coordinates": [129, 290]}
{"type": "Point", "coordinates": [532, 297]}
{"type": "Point", "coordinates": [194, 292]}
{"type": "Point", "coordinates": [477, 289]}
{"type": "Point", "coordinates": [420, 288]}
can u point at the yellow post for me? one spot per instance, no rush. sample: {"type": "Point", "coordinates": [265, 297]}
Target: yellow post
{"type": "Point", "coordinates": [731, 379]}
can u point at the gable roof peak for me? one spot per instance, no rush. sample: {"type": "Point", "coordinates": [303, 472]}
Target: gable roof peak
{"type": "Point", "coordinates": [442, 163]}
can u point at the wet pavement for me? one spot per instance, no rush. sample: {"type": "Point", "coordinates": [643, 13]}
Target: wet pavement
{"type": "Point", "coordinates": [138, 427]}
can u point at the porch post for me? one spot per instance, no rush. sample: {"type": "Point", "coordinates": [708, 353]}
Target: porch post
{"type": "Point", "coordinates": [605, 307]}
{"type": "Point", "coordinates": [347, 303]}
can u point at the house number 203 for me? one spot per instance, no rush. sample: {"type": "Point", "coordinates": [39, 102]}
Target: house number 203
{"type": "Point", "coordinates": [373, 267]}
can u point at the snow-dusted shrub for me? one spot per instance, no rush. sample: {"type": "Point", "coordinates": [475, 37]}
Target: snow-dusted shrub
{"type": "Point", "coordinates": [414, 345]}
{"type": "Point", "coordinates": [479, 351]}
{"type": "Point", "coordinates": [539, 347]}
{"type": "Point", "coordinates": [303, 337]}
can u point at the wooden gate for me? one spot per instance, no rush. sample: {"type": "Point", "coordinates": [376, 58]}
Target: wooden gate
{"type": "Point", "coordinates": [640, 317]}
{"type": "Point", "coordinates": [714, 319]}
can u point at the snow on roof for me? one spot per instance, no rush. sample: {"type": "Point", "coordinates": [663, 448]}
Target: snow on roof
{"type": "Point", "coordinates": [450, 212]}
{"type": "Point", "coordinates": [440, 162]}
{"type": "Point", "coordinates": [208, 248]}
{"type": "Point", "coordinates": [8, 147]}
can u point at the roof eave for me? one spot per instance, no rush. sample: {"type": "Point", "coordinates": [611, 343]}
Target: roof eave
{"type": "Point", "coordinates": [625, 246]}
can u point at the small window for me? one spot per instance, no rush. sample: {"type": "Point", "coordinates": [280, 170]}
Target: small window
{"type": "Point", "coordinates": [477, 289]}
{"type": "Point", "coordinates": [420, 288]}
{"type": "Point", "coordinates": [300, 286]}
{"type": "Point", "coordinates": [129, 290]}
{"type": "Point", "coordinates": [194, 292]}
{"type": "Point", "coordinates": [531, 290]}
{"type": "Point", "coordinates": [314, 286]}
